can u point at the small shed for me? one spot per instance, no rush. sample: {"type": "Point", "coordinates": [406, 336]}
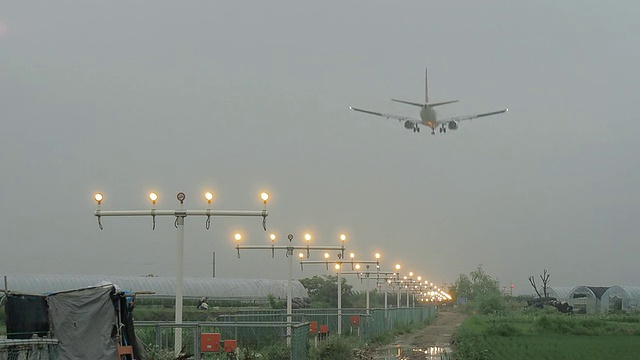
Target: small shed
{"type": "Point", "coordinates": [626, 298]}
{"type": "Point", "coordinates": [586, 299]}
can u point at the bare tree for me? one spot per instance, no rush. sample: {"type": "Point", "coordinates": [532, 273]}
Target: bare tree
{"type": "Point", "coordinates": [545, 281]}
{"type": "Point", "coordinates": [532, 280]}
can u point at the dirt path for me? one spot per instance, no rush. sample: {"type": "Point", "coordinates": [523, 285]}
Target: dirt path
{"type": "Point", "coordinates": [426, 343]}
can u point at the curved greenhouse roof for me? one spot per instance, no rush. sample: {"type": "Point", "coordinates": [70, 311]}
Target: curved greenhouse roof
{"type": "Point", "coordinates": [587, 298]}
{"type": "Point", "coordinates": [628, 298]}
{"type": "Point", "coordinates": [561, 293]}
{"type": "Point", "coordinates": [213, 288]}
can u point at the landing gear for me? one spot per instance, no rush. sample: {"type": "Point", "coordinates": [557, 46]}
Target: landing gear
{"type": "Point", "coordinates": [443, 129]}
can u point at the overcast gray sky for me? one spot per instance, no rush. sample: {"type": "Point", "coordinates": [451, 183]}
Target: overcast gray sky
{"type": "Point", "coordinates": [243, 96]}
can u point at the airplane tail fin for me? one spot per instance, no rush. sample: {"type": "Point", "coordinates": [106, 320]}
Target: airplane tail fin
{"type": "Point", "coordinates": [426, 87]}
{"type": "Point", "coordinates": [426, 97]}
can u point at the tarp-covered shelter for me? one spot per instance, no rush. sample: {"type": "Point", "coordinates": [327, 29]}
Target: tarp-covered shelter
{"type": "Point", "coordinates": [586, 299]}
{"type": "Point", "coordinates": [27, 316]}
{"type": "Point", "coordinates": [88, 323]}
{"type": "Point", "coordinates": [626, 298]}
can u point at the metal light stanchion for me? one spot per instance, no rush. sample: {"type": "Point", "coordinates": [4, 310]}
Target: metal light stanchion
{"type": "Point", "coordinates": [180, 216]}
{"type": "Point", "coordinates": [366, 273]}
{"type": "Point", "coordinates": [387, 283]}
{"type": "Point", "coordinates": [290, 254]}
{"type": "Point", "coordinates": [338, 267]}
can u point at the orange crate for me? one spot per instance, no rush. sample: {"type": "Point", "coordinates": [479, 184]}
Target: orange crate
{"type": "Point", "coordinates": [210, 342]}
{"type": "Point", "coordinates": [230, 346]}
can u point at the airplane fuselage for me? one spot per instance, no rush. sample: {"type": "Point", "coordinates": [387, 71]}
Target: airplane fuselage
{"type": "Point", "coordinates": [428, 116]}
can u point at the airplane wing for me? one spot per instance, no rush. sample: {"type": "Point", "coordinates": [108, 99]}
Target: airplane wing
{"type": "Point", "coordinates": [469, 117]}
{"type": "Point", "coordinates": [388, 116]}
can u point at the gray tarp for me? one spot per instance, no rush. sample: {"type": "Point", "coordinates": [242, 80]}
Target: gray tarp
{"type": "Point", "coordinates": [83, 322]}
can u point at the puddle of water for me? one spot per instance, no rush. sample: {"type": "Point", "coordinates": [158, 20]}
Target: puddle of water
{"type": "Point", "coordinates": [397, 352]}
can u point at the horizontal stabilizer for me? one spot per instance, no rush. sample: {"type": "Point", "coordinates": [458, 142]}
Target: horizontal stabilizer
{"type": "Point", "coordinates": [442, 103]}
{"type": "Point", "coordinates": [425, 105]}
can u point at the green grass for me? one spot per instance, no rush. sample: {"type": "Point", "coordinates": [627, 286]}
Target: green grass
{"type": "Point", "coordinates": [549, 335]}
{"type": "Point", "coordinates": [559, 347]}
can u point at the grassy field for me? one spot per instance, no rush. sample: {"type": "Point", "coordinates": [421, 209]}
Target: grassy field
{"type": "Point", "coordinates": [564, 347]}
{"type": "Point", "coordinates": [547, 334]}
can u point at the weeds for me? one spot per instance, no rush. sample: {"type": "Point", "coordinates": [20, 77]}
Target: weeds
{"type": "Point", "coordinates": [334, 348]}
{"type": "Point", "coordinates": [546, 333]}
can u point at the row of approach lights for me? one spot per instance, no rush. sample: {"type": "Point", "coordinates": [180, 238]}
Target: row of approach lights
{"type": "Point", "coordinates": [307, 238]}
{"type": "Point", "coordinates": [153, 196]}
{"type": "Point", "coordinates": [408, 281]}
{"type": "Point", "coordinates": [264, 196]}
{"type": "Point", "coordinates": [181, 196]}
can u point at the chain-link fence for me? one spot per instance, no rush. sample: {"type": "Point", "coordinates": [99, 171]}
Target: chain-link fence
{"type": "Point", "coordinates": [159, 338]}
{"type": "Point", "coordinates": [248, 330]}
{"type": "Point", "coordinates": [28, 349]}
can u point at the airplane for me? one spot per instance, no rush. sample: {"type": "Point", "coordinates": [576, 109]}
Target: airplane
{"type": "Point", "coordinates": [428, 115]}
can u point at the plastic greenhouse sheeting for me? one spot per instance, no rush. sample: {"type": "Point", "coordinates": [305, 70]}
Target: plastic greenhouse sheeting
{"type": "Point", "coordinates": [628, 297]}
{"type": "Point", "coordinates": [587, 298]}
{"type": "Point", "coordinates": [561, 293]}
{"type": "Point", "coordinates": [213, 288]}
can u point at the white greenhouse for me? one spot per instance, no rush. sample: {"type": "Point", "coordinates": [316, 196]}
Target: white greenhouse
{"type": "Point", "coordinates": [586, 299]}
{"type": "Point", "coordinates": [625, 298]}
{"type": "Point", "coordinates": [561, 293]}
{"type": "Point", "coordinates": [245, 290]}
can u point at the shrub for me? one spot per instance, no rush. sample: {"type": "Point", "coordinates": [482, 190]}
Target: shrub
{"type": "Point", "coordinates": [470, 344]}
{"type": "Point", "coordinates": [334, 348]}
{"type": "Point", "coordinates": [274, 303]}
{"type": "Point", "coordinates": [491, 304]}
{"type": "Point", "coordinates": [276, 352]}
{"type": "Point", "coordinates": [502, 330]}
{"type": "Point", "coordinates": [554, 324]}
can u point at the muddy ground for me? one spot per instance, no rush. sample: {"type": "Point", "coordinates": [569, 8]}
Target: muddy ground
{"type": "Point", "coordinates": [426, 343]}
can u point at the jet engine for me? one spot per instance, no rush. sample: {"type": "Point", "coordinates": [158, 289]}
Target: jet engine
{"type": "Point", "coordinates": [409, 125]}
{"type": "Point", "coordinates": [452, 125]}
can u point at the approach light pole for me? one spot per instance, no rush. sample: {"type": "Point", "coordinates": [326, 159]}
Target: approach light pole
{"type": "Point", "coordinates": [399, 286]}
{"type": "Point", "coordinates": [388, 280]}
{"type": "Point", "coordinates": [367, 274]}
{"type": "Point", "coordinates": [290, 254]}
{"type": "Point", "coordinates": [338, 267]}
{"type": "Point", "coordinates": [180, 214]}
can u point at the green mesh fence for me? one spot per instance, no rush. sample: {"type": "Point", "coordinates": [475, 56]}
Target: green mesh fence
{"type": "Point", "coordinates": [256, 330]}
{"type": "Point", "coordinates": [381, 320]}
{"type": "Point", "coordinates": [299, 341]}
{"type": "Point", "coordinates": [159, 338]}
